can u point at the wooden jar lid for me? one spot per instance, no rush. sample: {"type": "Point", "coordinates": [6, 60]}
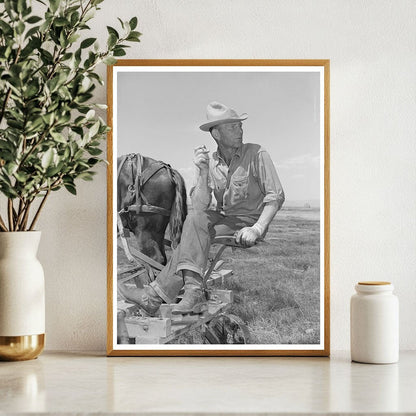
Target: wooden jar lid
{"type": "Point", "coordinates": [374, 283]}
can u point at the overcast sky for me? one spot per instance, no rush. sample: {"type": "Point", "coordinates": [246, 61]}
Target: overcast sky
{"type": "Point", "coordinates": [159, 114]}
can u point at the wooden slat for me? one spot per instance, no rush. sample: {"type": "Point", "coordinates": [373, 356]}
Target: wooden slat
{"type": "Point", "coordinates": [218, 265]}
{"type": "Point", "coordinates": [219, 277]}
{"type": "Point", "coordinates": [148, 327]}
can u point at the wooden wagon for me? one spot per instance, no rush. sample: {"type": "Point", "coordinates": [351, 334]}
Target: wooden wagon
{"type": "Point", "coordinates": [212, 318]}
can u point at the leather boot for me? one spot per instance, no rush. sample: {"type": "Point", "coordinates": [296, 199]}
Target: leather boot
{"type": "Point", "coordinates": [192, 296]}
{"type": "Point", "coordinates": [146, 298]}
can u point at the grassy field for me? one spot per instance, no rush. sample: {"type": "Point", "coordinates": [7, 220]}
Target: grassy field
{"type": "Point", "coordinates": [276, 284]}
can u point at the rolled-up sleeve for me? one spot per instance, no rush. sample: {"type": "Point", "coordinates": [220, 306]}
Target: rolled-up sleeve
{"type": "Point", "coordinates": [196, 196]}
{"type": "Point", "coordinates": [269, 180]}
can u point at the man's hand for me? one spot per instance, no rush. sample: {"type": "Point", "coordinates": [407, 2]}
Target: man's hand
{"type": "Point", "coordinates": [201, 158]}
{"type": "Point", "coordinates": [247, 236]}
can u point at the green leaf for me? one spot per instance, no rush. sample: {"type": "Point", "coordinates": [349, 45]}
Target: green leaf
{"type": "Point", "coordinates": [16, 124]}
{"type": "Point", "coordinates": [20, 28]}
{"type": "Point", "coordinates": [119, 52]}
{"type": "Point", "coordinates": [90, 114]}
{"type": "Point", "coordinates": [94, 129]}
{"type": "Point", "coordinates": [67, 153]}
{"type": "Point", "coordinates": [121, 22]}
{"type": "Point", "coordinates": [87, 42]}
{"type": "Point", "coordinates": [21, 5]}
{"type": "Point", "coordinates": [82, 166]}
{"type": "Point", "coordinates": [111, 30]}
{"type": "Point", "coordinates": [67, 56]}
{"type": "Point", "coordinates": [61, 21]}
{"type": "Point", "coordinates": [94, 151]}
{"type": "Point", "coordinates": [31, 90]}
{"type": "Point", "coordinates": [46, 56]}
{"type": "Point", "coordinates": [74, 18]}
{"type": "Point", "coordinates": [5, 146]}
{"type": "Point", "coordinates": [70, 188]}
{"type": "Point", "coordinates": [27, 52]}
{"type": "Point", "coordinates": [96, 77]}
{"type": "Point", "coordinates": [27, 11]}
{"type": "Point", "coordinates": [73, 38]}
{"type": "Point", "coordinates": [33, 19]}
{"type": "Point", "coordinates": [86, 176]}
{"type": "Point", "coordinates": [10, 7]}
{"type": "Point", "coordinates": [8, 191]}
{"type": "Point", "coordinates": [35, 125]}
{"type": "Point", "coordinates": [78, 154]}
{"type": "Point", "coordinates": [85, 85]}
{"type": "Point", "coordinates": [110, 60]}
{"type": "Point", "coordinates": [112, 40]}
{"type": "Point", "coordinates": [64, 93]}
{"type": "Point", "coordinates": [133, 23]}
{"type": "Point", "coordinates": [48, 118]}
{"type": "Point", "coordinates": [52, 171]}
{"type": "Point", "coordinates": [54, 4]}
{"type": "Point", "coordinates": [53, 83]}
{"type": "Point", "coordinates": [87, 17]}
{"type": "Point", "coordinates": [47, 158]}
{"type": "Point", "coordinates": [21, 177]}
{"type": "Point", "coordinates": [92, 161]}
{"type": "Point", "coordinates": [134, 37]}
{"type": "Point", "coordinates": [10, 168]}
{"type": "Point", "coordinates": [31, 32]}
{"type": "Point", "coordinates": [60, 138]}
{"type": "Point", "coordinates": [7, 29]}
{"type": "Point", "coordinates": [77, 130]}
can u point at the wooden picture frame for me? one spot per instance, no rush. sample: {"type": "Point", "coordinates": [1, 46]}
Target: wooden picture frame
{"type": "Point", "coordinates": [156, 106]}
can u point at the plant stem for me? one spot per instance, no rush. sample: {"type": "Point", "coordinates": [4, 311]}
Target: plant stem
{"type": "Point", "coordinates": [26, 216]}
{"type": "Point", "coordinates": [18, 216]}
{"type": "Point", "coordinates": [52, 186]}
{"type": "Point", "coordinates": [21, 212]}
{"type": "Point", "coordinates": [39, 209]}
{"type": "Point", "coordinates": [2, 224]}
{"type": "Point", "coordinates": [10, 213]}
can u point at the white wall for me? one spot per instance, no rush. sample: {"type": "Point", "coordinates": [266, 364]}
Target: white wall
{"type": "Point", "coordinates": [371, 45]}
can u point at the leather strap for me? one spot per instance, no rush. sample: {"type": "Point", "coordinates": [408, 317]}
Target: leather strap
{"type": "Point", "coordinates": [124, 243]}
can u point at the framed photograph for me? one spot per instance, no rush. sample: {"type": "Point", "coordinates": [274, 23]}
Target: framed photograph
{"type": "Point", "coordinates": [218, 208]}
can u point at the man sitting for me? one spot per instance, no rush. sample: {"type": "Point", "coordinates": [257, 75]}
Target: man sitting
{"type": "Point", "coordinates": [248, 194]}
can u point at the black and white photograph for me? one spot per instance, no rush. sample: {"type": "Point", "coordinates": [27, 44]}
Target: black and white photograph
{"type": "Point", "coordinates": [218, 208]}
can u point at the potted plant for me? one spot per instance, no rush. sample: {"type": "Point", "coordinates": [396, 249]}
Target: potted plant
{"type": "Point", "coordinates": [50, 135]}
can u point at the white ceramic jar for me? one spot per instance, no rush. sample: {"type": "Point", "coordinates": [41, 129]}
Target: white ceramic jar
{"type": "Point", "coordinates": [374, 323]}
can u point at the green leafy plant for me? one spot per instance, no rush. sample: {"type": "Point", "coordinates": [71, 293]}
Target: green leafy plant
{"type": "Point", "coordinates": [50, 133]}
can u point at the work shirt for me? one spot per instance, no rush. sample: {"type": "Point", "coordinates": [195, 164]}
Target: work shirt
{"type": "Point", "coordinates": [247, 184]}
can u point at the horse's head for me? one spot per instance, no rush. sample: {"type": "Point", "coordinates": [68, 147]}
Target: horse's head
{"type": "Point", "coordinates": [149, 230]}
{"type": "Point", "coordinates": [158, 205]}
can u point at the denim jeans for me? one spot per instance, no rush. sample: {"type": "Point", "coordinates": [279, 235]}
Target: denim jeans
{"type": "Point", "coordinates": [198, 232]}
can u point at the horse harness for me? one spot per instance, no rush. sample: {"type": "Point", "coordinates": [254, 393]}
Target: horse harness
{"type": "Point", "coordinates": [140, 204]}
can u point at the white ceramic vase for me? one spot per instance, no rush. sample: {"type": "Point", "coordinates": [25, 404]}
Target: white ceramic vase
{"type": "Point", "coordinates": [22, 296]}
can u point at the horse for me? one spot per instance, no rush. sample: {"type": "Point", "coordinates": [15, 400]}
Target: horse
{"type": "Point", "coordinates": [150, 195]}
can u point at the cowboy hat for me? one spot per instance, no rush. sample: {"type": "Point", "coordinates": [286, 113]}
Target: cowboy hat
{"type": "Point", "coordinates": [218, 113]}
